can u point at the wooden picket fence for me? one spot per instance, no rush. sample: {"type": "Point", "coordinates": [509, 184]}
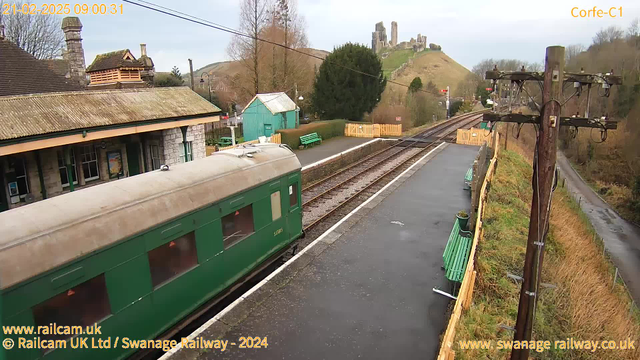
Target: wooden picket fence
{"type": "Point", "coordinates": [372, 130]}
{"type": "Point", "coordinates": [473, 136]}
{"type": "Point", "coordinates": [274, 139]}
{"type": "Point", "coordinates": [463, 302]}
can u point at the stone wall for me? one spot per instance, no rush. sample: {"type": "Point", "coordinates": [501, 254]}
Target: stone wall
{"type": "Point", "coordinates": [173, 146]}
{"type": "Point", "coordinates": [325, 169]}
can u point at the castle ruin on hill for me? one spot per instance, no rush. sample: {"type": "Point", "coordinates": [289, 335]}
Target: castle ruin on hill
{"type": "Point", "coordinates": [379, 39]}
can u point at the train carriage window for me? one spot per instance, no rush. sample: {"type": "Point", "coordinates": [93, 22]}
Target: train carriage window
{"type": "Point", "coordinates": [276, 207]}
{"type": "Point", "coordinates": [237, 226]}
{"type": "Point", "coordinates": [83, 305]}
{"type": "Point", "coordinates": [172, 259]}
{"type": "Point", "coordinates": [293, 194]}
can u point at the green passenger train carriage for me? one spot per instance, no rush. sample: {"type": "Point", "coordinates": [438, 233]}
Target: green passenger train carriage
{"type": "Point", "coordinates": [137, 255]}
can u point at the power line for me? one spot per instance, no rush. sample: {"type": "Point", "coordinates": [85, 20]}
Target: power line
{"type": "Point", "coordinates": [187, 17]}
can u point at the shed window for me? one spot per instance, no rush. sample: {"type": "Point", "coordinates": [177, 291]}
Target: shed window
{"type": "Point", "coordinates": [89, 163]}
{"type": "Point", "coordinates": [83, 305]}
{"type": "Point", "coordinates": [237, 226]}
{"type": "Point", "coordinates": [62, 167]}
{"type": "Point", "coordinates": [172, 259]}
{"type": "Point", "coordinates": [293, 195]}
{"type": "Point", "coordinates": [276, 208]}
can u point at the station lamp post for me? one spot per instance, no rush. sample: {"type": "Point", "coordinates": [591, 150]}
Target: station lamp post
{"type": "Point", "coordinates": [208, 83]}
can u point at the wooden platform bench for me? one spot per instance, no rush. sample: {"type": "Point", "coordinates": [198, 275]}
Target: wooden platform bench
{"type": "Point", "coordinates": [456, 253]}
{"type": "Point", "coordinates": [310, 139]}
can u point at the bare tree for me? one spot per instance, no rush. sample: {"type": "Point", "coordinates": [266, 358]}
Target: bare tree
{"type": "Point", "coordinates": [610, 34]}
{"type": "Point", "coordinates": [286, 27]}
{"type": "Point", "coordinates": [634, 28]}
{"type": "Point", "coordinates": [39, 35]}
{"type": "Point", "coordinates": [253, 17]}
{"type": "Point", "coordinates": [571, 52]}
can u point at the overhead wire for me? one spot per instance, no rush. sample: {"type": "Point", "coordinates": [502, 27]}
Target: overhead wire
{"type": "Point", "coordinates": [187, 17]}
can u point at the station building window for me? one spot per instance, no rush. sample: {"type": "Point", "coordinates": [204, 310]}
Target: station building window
{"type": "Point", "coordinates": [89, 163]}
{"type": "Point", "coordinates": [82, 305]}
{"type": "Point", "coordinates": [276, 207]}
{"type": "Point", "coordinates": [237, 226]}
{"type": "Point", "coordinates": [173, 258]}
{"type": "Point", "coordinates": [189, 156]}
{"type": "Point", "coordinates": [21, 185]}
{"type": "Point", "coordinates": [293, 195]}
{"type": "Point", "coordinates": [62, 167]}
{"type": "Point", "coordinates": [155, 157]}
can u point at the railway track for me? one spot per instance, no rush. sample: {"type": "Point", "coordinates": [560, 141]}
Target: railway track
{"type": "Point", "coordinates": [376, 170]}
{"type": "Point", "coordinates": [321, 200]}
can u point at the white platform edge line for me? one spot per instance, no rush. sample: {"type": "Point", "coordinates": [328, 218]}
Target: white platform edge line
{"type": "Point", "coordinates": [337, 155]}
{"type": "Point", "coordinates": [210, 322]}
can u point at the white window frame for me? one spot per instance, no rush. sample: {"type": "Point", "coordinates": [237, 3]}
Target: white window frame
{"type": "Point", "coordinates": [94, 158]}
{"type": "Point", "coordinates": [64, 166]}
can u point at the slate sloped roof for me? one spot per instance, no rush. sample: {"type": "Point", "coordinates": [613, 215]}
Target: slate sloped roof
{"type": "Point", "coordinates": [21, 73]}
{"type": "Point", "coordinates": [37, 114]}
{"type": "Point", "coordinates": [113, 60]}
{"type": "Point", "coordinates": [276, 102]}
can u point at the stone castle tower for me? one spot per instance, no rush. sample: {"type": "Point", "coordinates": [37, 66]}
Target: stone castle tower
{"type": "Point", "coordinates": [379, 38]}
{"type": "Point", "coordinates": [394, 34]}
{"type": "Point", "coordinates": [74, 55]}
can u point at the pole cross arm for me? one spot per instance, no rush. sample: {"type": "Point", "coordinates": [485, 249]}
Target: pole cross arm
{"type": "Point", "coordinates": [514, 75]}
{"type": "Point", "coordinates": [582, 78]}
{"type": "Point", "coordinates": [564, 120]}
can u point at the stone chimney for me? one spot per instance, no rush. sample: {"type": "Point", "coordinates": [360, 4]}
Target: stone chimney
{"type": "Point", "coordinates": [149, 70]}
{"type": "Point", "coordinates": [74, 55]}
{"type": "Point", "coordinates": [1, 32]}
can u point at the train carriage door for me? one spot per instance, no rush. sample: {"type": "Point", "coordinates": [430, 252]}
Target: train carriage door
{"type": "Point", "coordinates": [294, 213]}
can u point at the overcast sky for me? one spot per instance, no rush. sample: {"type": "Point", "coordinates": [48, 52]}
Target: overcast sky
{"type": "Point", "coordinates": [468, 31]}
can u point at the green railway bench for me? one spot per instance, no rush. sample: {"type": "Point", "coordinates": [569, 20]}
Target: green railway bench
{"type": "Point", "coordinates": [456, 253]}
{"type": "Point", "coordinates": [225, 141]}
{"type": "Point", "coordinates": [310, 139]}
{"type": "Point", "coordinates": [468, 178]}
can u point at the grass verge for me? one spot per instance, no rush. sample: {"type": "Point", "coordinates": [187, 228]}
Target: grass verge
{"type": "Point", "coordinates": [583, 306]}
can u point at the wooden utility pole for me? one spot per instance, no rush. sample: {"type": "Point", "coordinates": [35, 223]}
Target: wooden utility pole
{"type": "Point", "coordinates": [543, 179]}
{"type": "Point", "coordinates": [549, 121]}
{"type": "Point", "coordinates": [191, 76]}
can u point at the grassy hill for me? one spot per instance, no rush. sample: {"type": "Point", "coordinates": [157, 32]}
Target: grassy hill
{"type": "Point", "coordinates": [434, 66]}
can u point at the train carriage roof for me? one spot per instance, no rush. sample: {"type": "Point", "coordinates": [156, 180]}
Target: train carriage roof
{"type": "Point", "coordinates": [47, 234]}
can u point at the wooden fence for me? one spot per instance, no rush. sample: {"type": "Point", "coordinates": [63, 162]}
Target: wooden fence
{"type": "Point", "coordinates": [466, 289]}
{"type": "Point", "coordinates": [473, 136]}
{"type": "Point", "coordinates": [372, 130]}
{"type": "Point", "coordinates": [274, 139]}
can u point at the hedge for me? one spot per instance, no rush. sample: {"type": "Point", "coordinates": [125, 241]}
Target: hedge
{"type": "Point", "coordinates": [326, 129]}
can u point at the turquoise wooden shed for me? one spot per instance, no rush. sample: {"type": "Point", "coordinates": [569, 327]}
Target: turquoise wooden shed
{"type": "Point", "coordinates": [267, 113]}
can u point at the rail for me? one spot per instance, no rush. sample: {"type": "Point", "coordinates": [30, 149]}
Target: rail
{"type": "Point", "coordinates": [449, 129]}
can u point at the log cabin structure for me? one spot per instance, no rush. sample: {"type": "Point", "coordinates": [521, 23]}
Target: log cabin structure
{"type": "Point", "coordinates": [117, 69]}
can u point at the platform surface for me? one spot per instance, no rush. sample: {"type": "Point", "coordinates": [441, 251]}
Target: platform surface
{"type": "Point", "coordinates": [367, 294]}
{"type": "Point", "coordinates": [328, 148]}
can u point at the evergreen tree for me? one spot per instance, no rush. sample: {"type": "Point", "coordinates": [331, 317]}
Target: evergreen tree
{"type": "Point", "coordinates": [343, 93]}
{"type": "Point", "coordinates": [416, 84]}
{"type": "Point", "coordinates": [176, 72]}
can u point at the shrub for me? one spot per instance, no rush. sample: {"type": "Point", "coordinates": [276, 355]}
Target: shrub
{"type": "Point", "coordinates": [326, 129]}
